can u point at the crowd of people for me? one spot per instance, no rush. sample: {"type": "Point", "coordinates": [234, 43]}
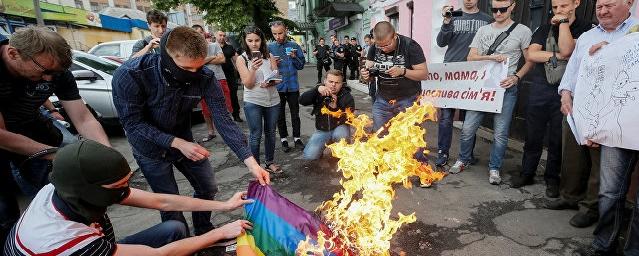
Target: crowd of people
{"type": "Point", "coordinates": [72, 181]}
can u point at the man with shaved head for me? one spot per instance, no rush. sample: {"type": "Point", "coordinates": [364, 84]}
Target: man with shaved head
{"type": "Point", "coordinates": [617, 164]}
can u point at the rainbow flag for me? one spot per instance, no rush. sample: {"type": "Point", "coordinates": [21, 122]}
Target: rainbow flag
{"type": "Point", "coordinates": [278, 224]}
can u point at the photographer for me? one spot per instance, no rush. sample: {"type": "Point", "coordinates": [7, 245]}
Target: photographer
{"type": "Point", "coordinates": [335, 97]}
{"type": "Point", "coordinates": [321, 53]}
{"type": "Point", "coordinates": [457, 32]}
{"type": "Point", "coordinates": [150, 44]}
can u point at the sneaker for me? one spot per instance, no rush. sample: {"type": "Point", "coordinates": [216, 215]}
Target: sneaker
{"type": "Point", "coordinates": [494, 177]}
{"type": "Point", "coordinates": [299, 144]}
{"type": "Point", "coordinates": [561, 204]}
{"type": "Point", "coordinates": [521, 180]}
{"type": "Point", "coordinates": [473, 161]}
{"type": "Point", "coordinates": [285, 146]}
{"type": "Point", "coordinates": [442, 159]}
{"type": "Point", "coordinates": [584, 220]}
{"type": "Point", "coordinates": [458, 167]}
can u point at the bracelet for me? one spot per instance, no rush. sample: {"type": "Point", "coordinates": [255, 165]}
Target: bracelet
{"type": "Point", "coordinates": [518, 78]}
{"type": "Point", "coordinates": [404, 74]}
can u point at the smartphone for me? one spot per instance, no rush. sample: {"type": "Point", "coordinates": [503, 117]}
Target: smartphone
{"type": "Point", "coordinates": [256, 55]}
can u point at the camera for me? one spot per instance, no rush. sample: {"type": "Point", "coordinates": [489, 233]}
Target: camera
{"type": "Point", "coordinates": [373, 72]}
{"type": "Point", "coordinates": [327, 99]}
{"type": "Point", "coordinates": [450, 13]}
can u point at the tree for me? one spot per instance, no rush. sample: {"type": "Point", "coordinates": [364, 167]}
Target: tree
{"type": "Point", "coordinates": [233, 15]}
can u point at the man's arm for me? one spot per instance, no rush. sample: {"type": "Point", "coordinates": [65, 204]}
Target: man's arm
{"type": "Point", "coordinates": [473, 55]}
{"type": "Point", "coordinates": [139, 49]}
{"type": "Point", "coordinates": [537, 55]}
{"type": "Point", "coordinates": [299, 60]}
{"type": "Point", "coordinates": [565, 41]}
{"type": "Point", "coordinates": [216, 60]}
{"type": "Point", "coordinates": [18, 143]}
{"type": "Point", "coordinates": [85, 122]}
{"type": "Point", "coordinates": [445, 34]}
{"type": "Point", "coordinates": [308, 97]}
{"type": "Point", "coordinates": [168, 202]}
{"type": "Point", "coordinates": [418, 73]}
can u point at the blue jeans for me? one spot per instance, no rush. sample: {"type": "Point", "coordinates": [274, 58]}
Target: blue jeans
{"type": "Point", "coordinates": [158, 235]}
{"type": "Point", "coordinates": [260, 119]}
{"type": "Point", "coordinates": [159, 175]}
{"type": "Point", "coordinates": [617, 165]}
{"type": "Point", "coordinates": [383, 112]}
{"type": "Point", "coordinates": [319, 139]}
{"type": "Point", "coordinates": [501, 125]}
{"type": "Point", "coordinates": [445, 130]}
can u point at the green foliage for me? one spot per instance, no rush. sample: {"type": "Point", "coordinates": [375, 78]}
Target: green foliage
{"type": "Point", "coordinates": [233, 15]}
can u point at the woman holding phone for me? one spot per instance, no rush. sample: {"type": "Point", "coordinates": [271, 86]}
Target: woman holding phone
{"type": "Point", "coordinates": [261, 100]}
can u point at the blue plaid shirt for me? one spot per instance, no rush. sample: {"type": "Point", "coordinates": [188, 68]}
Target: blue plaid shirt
{"type": "Point", "coordinates": [288, 67]}
{"type": "Point", "coordinates": [153, 113]}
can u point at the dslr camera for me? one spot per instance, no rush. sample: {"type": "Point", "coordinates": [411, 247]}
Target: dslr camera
{"type": "Point", "coordinates": [379, 68]}
{"type": "Point", "coordinates": [451, 13]}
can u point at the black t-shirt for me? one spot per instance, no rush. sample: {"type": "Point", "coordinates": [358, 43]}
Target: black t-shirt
{"type": "Point", "coordinates": [407, 54]}
{"type": "Point", "coordinates": [322, 51]}
{"type": "Point", "coordinates": [578, 27]}
{"type": "Point", "coordinates": [227, 66]}
{"type": "Point", "coordinates": [339, 49]}
{"type": "Point", "coordinates": [20, 100]}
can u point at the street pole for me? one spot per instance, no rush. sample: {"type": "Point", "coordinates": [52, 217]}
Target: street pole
{"type": "Point", "coordinates": [38, 13]}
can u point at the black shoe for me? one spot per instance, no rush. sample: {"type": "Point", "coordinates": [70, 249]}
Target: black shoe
{"type": "Point", "coordinates": [583, 220]}
{"type": "Point", "coordinates": [285, 147]}
{"type": "Point", "coordinates": [473, 161]}
{"type": "Point", "coordinates": [561, 204]}
{"type": "Point", "coordinates": [520, 181]}
{"type": "Point", "coordinates": [552, 191]}
{"type": "Point", "coordinates": [299, 144]}
{"type": "Point", "coordinates": [238, 119]}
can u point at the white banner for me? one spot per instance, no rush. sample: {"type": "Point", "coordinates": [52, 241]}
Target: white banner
{"type": "Point", "coordinates": [472, 85]}
{"type": "Point", "coordinates": [606, 97]}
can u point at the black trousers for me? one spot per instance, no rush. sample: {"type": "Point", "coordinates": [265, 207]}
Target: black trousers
{"type": "Point", "coordinates": [292, 98]}
{"type": "Point", "coordinates": [321, 66]}
{"type": "Point", "coordinates": [353, 66]}
{"type": "Point", "coordinates": [235, 103]}
{"type": "Point", "coordinates": [543, 114]}
{"type": "Point", "coordinates": [9, 209]}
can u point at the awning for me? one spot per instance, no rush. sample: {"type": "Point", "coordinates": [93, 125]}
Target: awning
{"type": "Point", "coordinates": [339, 10]}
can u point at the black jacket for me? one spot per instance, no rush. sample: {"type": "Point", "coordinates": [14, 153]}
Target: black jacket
{"type": "Point", "coordinates": [325, 122]}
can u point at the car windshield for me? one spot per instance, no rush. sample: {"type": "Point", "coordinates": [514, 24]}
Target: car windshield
{"type": "Point", "coordinates": [95, 62]}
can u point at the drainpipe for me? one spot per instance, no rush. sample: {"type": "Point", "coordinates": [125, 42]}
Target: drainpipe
{"type": "Point", "coordinates": [410, 23]}
{"type": "Point", "coordinates": [38, 13]}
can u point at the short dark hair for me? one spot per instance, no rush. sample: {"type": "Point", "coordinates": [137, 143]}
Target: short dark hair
{"type": "Point", "coordinates": [383, 29]}
{"type": "Point", "coordinates": [335, 72]}
{"type": "Point", "coordinates": [185, 41]}
{"type": "Point", "coordinates": [250, 29]}
{"type": "Point", "coordinates": [347, 37]}
{"type": "Point", "coordinates": [155, 16]}
{"type": "Point", "coordinates": [197, 26]}
{"type": "Point", "coordinates": [353, 39]}
{"type": "Point", "coordinates": [321, 38]}
{"type": "Point", "coordinates": [368, 36]}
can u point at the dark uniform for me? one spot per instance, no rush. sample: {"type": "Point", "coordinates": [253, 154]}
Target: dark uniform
{"type": "Point", "coordinates": [339, 63]}
{"type": "Point", "coordinates": [356, 51]}
{"type": "Point", "coordinates": [322, 56]}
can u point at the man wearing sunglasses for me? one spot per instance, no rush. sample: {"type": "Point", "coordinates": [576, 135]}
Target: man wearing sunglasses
{"type": "Point", "coordinates": [509, 42]}
{"type": "Point", "coordinates": [33, 67]}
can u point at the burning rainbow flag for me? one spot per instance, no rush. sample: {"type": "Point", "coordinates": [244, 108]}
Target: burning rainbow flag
{"type": "Point", "coordinates": [278, 224]}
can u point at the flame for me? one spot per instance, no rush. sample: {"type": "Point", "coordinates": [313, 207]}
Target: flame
{"type": "Point", "coordinates": [360, 214]}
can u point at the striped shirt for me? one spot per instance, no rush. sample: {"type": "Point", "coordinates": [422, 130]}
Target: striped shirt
{"type": "Point", "coordinates": [288, 67]}
{"type": "Point", "coordinates": [44, 230]}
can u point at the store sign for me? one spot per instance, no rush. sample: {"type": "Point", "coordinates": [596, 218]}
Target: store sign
{"type": "Point", "coordinates": [336, 23]}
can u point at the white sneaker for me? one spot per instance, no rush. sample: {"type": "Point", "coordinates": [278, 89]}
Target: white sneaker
{"type": "Point", "coordinates": [458, 167]}
{"type": "Point", "coordinates": [494, 177]}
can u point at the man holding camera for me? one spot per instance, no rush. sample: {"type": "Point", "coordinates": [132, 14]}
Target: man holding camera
{"type": "Point", "coordinates": [321, 53]}
{"type": "Point", "coordinates": [457, 32]}
{"type": "Point", "coordinates": [150, 44]}
{"type": "Point", "coordinates": [335, 97]}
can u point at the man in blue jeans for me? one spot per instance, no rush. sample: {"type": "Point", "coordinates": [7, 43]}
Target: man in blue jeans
{"type": "Point", "coordinates": [511, 49]}
{"type": "Point", "coordinates": [69, 216]}
{"type": "Point", "coordinates": [399, 64]}
{"type": "Point", "coordinates": [154, 96]}
{"type": "Point", "coordinates": [456, 33]}
{"type": "Point", "coordinates": [291, 59]}
{"type": "Point", "coordinates": [334, 97]}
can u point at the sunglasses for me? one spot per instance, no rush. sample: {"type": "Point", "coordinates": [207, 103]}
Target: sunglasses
{"type": "Point", "coordinates": [45, 71]}
{"type": "Point", "coordinates": [276, 23]}
{"type": "Point", "coordinates": [501, 9]}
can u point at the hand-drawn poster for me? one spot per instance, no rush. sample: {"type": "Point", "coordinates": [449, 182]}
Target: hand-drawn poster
{"type": "Point", "coordinates": [606, 98]}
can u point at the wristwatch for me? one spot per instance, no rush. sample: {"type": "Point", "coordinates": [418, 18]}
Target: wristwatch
{"type": "Point", "coordinates": [52, 110]}
{"type": "Point", "coordinates": [564, 20]}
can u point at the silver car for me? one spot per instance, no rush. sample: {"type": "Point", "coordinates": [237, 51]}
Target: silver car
{"type": "Point", "coordinates": [118, 49]}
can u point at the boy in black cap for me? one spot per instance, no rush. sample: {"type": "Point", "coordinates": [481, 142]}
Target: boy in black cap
{"type": "Point", "coordinates": [68, 216]}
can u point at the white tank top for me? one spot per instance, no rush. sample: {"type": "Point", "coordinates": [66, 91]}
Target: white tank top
{"type": "Point", "coordinates": [265, 97]}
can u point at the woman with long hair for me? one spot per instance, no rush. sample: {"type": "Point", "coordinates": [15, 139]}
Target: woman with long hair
{"type": "Point", "coordinates": [258, 69]}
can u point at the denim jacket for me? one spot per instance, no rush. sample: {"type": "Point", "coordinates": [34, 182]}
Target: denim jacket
{"type": "Point", "coordinates": [154, 113]}
{"type": "Point", "coordinates": [288, 67]}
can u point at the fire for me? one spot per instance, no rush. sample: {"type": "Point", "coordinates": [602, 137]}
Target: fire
{"type": "Point", "coordinates": [360, 214]}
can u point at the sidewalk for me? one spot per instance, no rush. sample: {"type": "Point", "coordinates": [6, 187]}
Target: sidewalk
{"type": "Point", "coordinates": [461, 215]}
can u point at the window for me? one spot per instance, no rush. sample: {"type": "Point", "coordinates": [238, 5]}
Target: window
{"type": "Point", "coordinates": [78, 4]}
{"type": "Point", "coordinates": [95, 62]}
{"type": "Point", "coordinates": [107, 50]}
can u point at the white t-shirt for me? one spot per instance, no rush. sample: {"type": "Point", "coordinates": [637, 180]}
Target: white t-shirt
{"type": "Point", "coordinates": [512, 46]}
{"type": "Point", "coordinates": [265, 97]}
{"type": "Point", "coordinates": [213, 50]}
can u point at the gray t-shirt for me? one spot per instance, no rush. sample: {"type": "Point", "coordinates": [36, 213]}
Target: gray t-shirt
{"type": "Point", "coordinates": [140, 44]}
{"type": "Point", "coordinates": [213, 50]}
{"type": "Point", "coordinates": [459, 33]}
{"type": "Point", "coordinates": [512, 46]}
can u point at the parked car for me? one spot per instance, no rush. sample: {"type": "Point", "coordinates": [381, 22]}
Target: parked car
{"type": "Point", "coordinates": [118, 49]}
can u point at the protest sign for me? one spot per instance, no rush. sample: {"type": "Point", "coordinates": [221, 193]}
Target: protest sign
{"type": "Point", "coordinates": [472, 85]}
{"type": "Point", "coordinates": [606, 96]}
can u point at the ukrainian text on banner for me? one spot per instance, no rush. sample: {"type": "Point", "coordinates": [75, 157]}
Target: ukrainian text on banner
{"type": "Point", "coordinates": [606, 96]}
{"type": "Point", "coordinates": [472, 85]}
